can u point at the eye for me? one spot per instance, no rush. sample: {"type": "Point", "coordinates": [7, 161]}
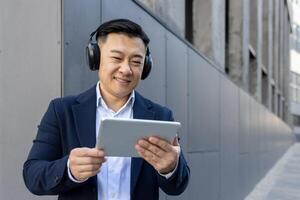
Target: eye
{"type": "Point", "coordinates": [116, 58]}
{"type": "Point", "coordinates": [136, 63]}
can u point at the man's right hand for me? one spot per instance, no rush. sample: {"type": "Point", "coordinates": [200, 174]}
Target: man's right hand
{"type": "Point", "coordinates": [85, 162]}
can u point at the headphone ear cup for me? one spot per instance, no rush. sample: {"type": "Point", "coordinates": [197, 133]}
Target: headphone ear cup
{"type": "Point", "coordinates": [147, 65]}
{"type": "Point", "coordinates": [93, 55]}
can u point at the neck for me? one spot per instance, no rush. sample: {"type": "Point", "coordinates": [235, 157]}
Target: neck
{"type": "Point", "coordinates": [113, 102]}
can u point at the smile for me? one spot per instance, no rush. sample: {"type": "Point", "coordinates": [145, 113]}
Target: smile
{"type": "Point", "coordinates": [122, 80]}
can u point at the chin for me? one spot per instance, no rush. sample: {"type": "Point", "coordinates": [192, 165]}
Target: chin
{"type": "Point", "coordinates": [122, 94]}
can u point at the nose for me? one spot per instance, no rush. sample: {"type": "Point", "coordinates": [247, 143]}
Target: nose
{"type": "Point", "coordinates": [125, 68]}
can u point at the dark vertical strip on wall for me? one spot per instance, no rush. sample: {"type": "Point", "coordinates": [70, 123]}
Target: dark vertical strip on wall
{"type": "Point", "coordinates": [226, 35]}
{"type": "Point", "coordinates": [189, 20]}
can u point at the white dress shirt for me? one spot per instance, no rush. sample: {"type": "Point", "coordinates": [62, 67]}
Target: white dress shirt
{"type": "Point", "coordinates": [114, 176]}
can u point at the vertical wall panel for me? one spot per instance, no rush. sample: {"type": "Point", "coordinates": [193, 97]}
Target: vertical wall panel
{"type": "Point", "coordinates": [259, 139]}
{"type": "Point", "coordinates": [229, 106]}
{"type": "Point", "coordinates": [80, 19]}
{"type": "Point", "coordinates": [264, 142]}
{"type": "Point", "coordinates": [204, 112]}
{"type": "Point", "coordinates": [244, 122]}
{"type": "Point", "coordinates": [177, 83]}
{"type": "Point", "coordinates": [259, 136]}
{"type": "Point", "coordinates": [254, 128]}
{"type": "Point", "coordinates": [263, 128]}
{"type": "Point", "coordinates": [204, 183]}
{"type": "Point", "coordinates": [244, 175]}
{"type": "Point", "coordinates": [30, 56]}
{"type": "Point", "coordinates": [177, 89]}
{"type": "Point", "coordinates": [268, 131]}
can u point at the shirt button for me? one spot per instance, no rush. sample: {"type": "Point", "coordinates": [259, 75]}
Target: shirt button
{"type": "Point", "coordinates": [113, 195]}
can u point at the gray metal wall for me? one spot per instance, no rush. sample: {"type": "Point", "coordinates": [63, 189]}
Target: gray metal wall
{"type": "Point", "coordinates": [30, 75]}
{"type": "Point", "coordinates": [230, 140]}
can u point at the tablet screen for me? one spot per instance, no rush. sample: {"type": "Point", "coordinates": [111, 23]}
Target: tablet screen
{"type": "Point", "coordinates": [118, 136]}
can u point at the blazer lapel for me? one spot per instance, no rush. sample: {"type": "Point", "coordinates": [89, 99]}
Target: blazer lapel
{"type": "Point", "coordinates": [85, 118]}
{"type": "Point", "coordinates": [141, 110]}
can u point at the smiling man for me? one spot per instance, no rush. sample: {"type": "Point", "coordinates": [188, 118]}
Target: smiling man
{"type": "Point", "coordinates": [63, 159]}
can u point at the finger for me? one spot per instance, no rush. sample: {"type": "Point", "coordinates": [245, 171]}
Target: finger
{"type": "Point", "coordinates": [86, 160]}
{"type": "Point", "coordinates": [147, 155]}
{"type": "Point", "coordinates": [176, 141]}
{"type": "Point", "coordinates": [151, 162]}
{"type": "Point", "coordinates": [91, 152]}
{"type": "Point", "coordinates": [88, 168]}
{"type": "Point", "coordinates": [163, 144]}
{"type": "Point", "coordinates": [86, 175]}
{"type": "Point", "coordinates": [151, 147]}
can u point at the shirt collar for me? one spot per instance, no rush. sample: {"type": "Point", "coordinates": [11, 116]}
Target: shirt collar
{"type": "Point", "coordinates": [101, 102]}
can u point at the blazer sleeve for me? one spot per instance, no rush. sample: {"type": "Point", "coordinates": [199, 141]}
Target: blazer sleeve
{"type": "Point", "coordinates": [178, 182]}
{"type": "Point", "coordinates": [44, 171]}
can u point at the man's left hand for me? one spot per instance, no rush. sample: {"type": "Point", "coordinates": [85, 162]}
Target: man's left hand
{"type": "Point", "coordinates": [161, 154]}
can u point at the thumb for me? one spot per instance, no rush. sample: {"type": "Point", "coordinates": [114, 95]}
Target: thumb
{"type": "Point", "coordinates": [176, 140]}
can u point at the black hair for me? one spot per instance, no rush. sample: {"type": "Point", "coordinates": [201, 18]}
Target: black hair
{"type": "Point", "coordinates": [124, 26]}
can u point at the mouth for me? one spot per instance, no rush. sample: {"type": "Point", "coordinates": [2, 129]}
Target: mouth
{"type": "Point", "coordinates": [122, 80]}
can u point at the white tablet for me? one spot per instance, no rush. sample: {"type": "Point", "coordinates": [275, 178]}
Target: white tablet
{"type": "Point", "coordinates": [118, 136]}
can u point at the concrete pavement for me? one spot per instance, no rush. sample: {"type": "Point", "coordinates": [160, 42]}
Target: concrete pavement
{"type": "Point", "coordinates": [283, 181]}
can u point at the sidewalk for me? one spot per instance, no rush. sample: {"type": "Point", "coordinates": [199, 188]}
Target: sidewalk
{"type": "Point", "coordinates": [283, 181]}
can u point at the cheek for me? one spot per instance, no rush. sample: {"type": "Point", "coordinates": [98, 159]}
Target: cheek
{"type": "Point", "coordinates": [105, 73]}
{"type": "Point", "coordinates": [138, 72]}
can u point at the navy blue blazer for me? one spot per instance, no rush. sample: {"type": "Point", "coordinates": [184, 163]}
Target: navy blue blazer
{"type": "Point", "coordinates": [69, 123]}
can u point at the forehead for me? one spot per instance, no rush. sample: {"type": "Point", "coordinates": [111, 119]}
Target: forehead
{"type": "Point", "coordinates": [122, 41]}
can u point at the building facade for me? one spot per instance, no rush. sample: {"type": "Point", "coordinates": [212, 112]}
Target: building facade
{"type": "Point", "coordinates": [248, 40]}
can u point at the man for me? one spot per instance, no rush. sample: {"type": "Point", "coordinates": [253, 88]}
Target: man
{"type": "Point", "coordinates": [63, 159]}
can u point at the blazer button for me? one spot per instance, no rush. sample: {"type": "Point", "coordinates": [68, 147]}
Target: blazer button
{"type": "Point", "coordinates": [57, 179]}
{"type": "Point", "coordinates": [94, 189]}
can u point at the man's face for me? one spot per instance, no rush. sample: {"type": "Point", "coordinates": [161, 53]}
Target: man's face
{"type": "Point", "coordinates": [121, 65]}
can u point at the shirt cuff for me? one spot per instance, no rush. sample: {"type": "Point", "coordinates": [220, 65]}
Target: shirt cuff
{"type": "Point", "coordinates": [168, 175]}
{"type": "Point", "coordinates": [71, 176]}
